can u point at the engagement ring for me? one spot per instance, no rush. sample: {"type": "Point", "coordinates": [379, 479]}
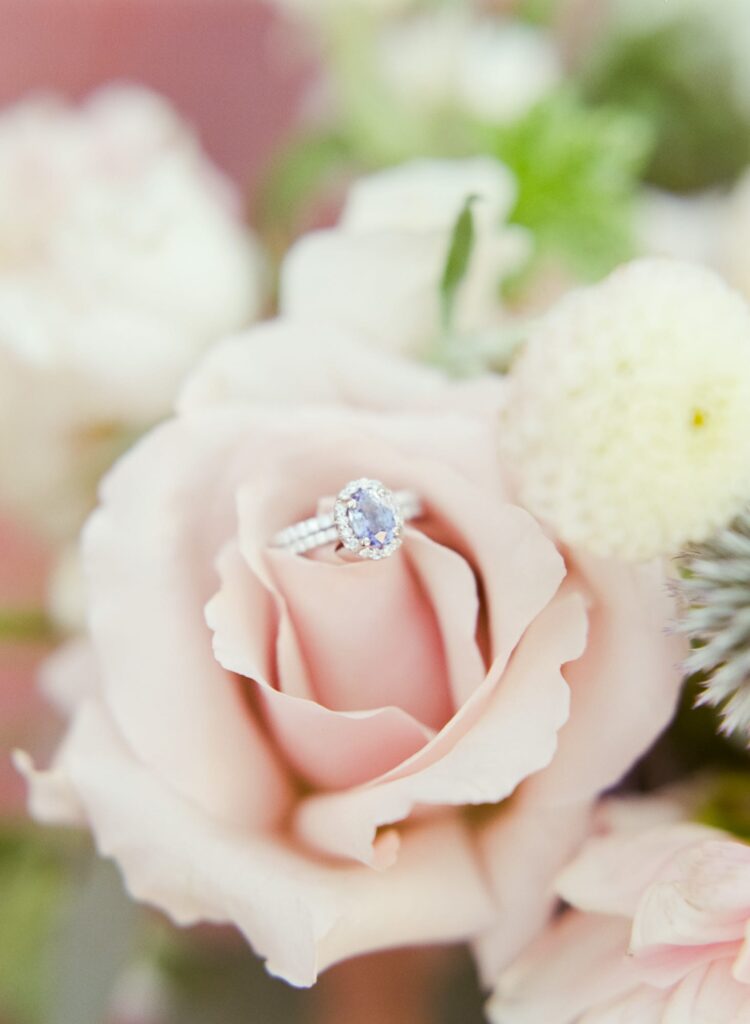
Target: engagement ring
{"type": "Point", "coordinates": [367, 521]}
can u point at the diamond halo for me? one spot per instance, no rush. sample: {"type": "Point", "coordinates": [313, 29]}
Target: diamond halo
{"type": "Point", "coordinates": [368, 519]}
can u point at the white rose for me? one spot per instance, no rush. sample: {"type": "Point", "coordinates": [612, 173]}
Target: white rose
{"type": "Point", "coordinates": [379, 271]}
{"type": "Point", "coordinates": [122, 256]}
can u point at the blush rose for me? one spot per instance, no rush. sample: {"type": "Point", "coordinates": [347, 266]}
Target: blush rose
{"type": "Point", "coordinates": [293, 744]}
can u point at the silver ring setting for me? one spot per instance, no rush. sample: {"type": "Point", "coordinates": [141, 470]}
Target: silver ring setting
{"type": "Point", "coordinates": [367, 521]}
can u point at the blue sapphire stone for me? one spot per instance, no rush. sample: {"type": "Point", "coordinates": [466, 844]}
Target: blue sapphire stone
{"type": "Point", "coordinates": [372, 519]}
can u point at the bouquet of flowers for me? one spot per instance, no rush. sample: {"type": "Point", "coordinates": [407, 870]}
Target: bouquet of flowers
{"type": "Point", "coordinates": [397, 572]}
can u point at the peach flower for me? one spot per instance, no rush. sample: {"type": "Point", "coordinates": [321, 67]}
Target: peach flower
{"type": "Point", "coordinates": [292, 743]}
{"type": "Point", "coordinates": [658, 934]}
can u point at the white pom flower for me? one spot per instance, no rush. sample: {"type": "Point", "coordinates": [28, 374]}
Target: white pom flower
{"type": "Point", "coordinates": [629, 411]}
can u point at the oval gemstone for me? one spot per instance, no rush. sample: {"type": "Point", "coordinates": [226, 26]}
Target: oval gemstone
{"type": "Point", "coordinates": [372, 519]}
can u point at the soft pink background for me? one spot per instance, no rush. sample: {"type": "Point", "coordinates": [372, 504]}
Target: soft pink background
{"type": "Point", "coordinates": [231, 66]}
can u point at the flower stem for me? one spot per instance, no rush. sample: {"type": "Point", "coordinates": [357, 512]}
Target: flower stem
{"type": "Point", "coordinates": [25, 625]}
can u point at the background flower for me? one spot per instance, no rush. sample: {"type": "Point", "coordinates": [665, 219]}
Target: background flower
{"type": "Point", "coordinates": [657, 929]}
{"type": "Point", "coordinates": [123, 256]}
{"type": "Point", "coordinates": [628, 420]}
{"type": "Point", "coordinates": [379, 271]}
{"type": "Point", "coordinates": [495, 69]}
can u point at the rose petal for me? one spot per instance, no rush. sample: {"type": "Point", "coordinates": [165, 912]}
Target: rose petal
{"type": "Point", "coordinates": [611, 872]}
{"type": "Point", "coordinates": [452, 588]}
{"type": "Point", "coordinates": [644, 1005]}
{"type": "Point", "coordinates": [68, 675]}
{"type": "Point", "coordinates": [424, 194]}
{"type": "Point", "coordinates": [301, 915]}
{"type": "Point", "coordinates": [741, 969]}
{"type": "Point", "coordinates": [149, 574]}
{"type": "Point", "coordinates": [327, 747]}
{"type": "Point", "coordinates": [483, 763]}
{"type": "Point", "coordinates": [579, 962]}
{"type": "Point", "coordinates": [51, 797]}
{"type": "Point", "coordinates": [383, 286]}
{"type": "Point", "coordinates": [708, 994]}
{"type": "Point", "coordinates": [519, 569]}
{"type": "Point", "coordinates": [629, 665]}
{"type": "Point", "coordinates": [701, 896]}
{"type": "Point", "coordinates": [523, 846]}
{"type": "Point", "coordinates": [368, 635]}
{"type": "Point", "coordinates": [294, 361]}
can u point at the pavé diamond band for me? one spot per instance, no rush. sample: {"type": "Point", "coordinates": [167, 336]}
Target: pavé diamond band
{"type": "Point", "coordinates": [367, 520]}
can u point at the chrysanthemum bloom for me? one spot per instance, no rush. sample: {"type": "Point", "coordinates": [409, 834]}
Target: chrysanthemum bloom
{"type": "Point", "coordinates": [378, 272]}
{"type": "Point", "coordinates": [628, 420]}
{"type": "Point", "coordinates": [122, 255]}
{"type": "Point", "coordinates": [293, 743]}
{"type": "Point", "coordinates": [658, 932]}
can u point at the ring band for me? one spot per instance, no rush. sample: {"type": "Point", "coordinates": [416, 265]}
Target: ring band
{"type": "Point", "coordinates": [367, 520]}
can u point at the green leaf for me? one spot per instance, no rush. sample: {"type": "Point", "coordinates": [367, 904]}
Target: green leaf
{"type": "Point", "coordinates": [537, 12]}
{"type": "Point", "coordinates": [25, 625]}
{"type": "Point", "coordinates": [457, 261]}
{"type": "Point", "coordinates": [33, 884]}
{"type": "Point", "coordinates": [692, 743]}
{"type": "Point", "coordinates": [577, 170]}
{"type": "Point", "coordinates": [728, 805]}
{"type": "Point", "coordinates": [296, 176]}
{"type": "Point", "coordinates": [680, 76]}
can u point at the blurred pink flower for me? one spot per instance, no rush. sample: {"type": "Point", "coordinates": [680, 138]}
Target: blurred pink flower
{"type": "Point", "coordinates": [290, 743]}
{"type": "Point", "coordinates": [658, 933]}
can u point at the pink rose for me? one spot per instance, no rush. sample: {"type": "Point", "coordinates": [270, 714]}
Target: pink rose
{"type": "Point", "coordinates": [659, 932]}
{"type": "Point", "coordinates": [291, 743]}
